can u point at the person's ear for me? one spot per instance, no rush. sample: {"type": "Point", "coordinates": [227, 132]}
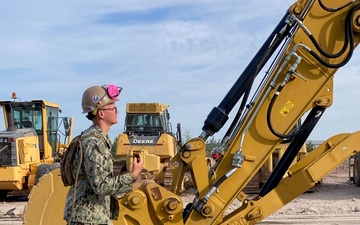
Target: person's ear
{"type": "Point", "coordinates": [100, 113]}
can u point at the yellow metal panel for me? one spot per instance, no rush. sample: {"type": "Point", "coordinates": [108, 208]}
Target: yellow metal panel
{"type": "Point", "coordinates": [29, 146]}
{"type": "Point", "coordinates": [11, 178]}
{"type": "Point", "coordinates": [151, 161]}
{"type": "Point", "coordinates": [165, 147]}
{"type": "Point", "coordinates": [145, 107]}
{"type": "Point", "coordinates": [20, 144]}
{"type": "Point", "coordinates": [47, 103]}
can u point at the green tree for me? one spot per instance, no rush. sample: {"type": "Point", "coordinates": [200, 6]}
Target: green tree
{"type": "Point", "coordinates": [187, 136]}
{"type": "Point", "coordinates": [211, 143]}
{"type": "Point", "coordinates": [309, 146]}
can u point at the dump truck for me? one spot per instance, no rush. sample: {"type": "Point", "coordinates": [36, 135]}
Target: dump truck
{"type": "Point", "coordinates": [148, 132]}
{"type": "Point", "coordinates": [35, 134]}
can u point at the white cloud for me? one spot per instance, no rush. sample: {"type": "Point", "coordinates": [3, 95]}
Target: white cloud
{"type": "Point", "coordinates": [188, 54]}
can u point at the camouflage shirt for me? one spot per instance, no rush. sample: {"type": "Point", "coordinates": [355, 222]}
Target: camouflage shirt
{"type": "Point", "coordinates": [94, 189]}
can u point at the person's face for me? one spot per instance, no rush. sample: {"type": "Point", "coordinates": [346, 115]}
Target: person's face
{"type": "Point", "coordinates": [110, 113]}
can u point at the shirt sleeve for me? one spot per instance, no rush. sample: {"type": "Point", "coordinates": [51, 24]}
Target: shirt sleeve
{"type": "Point", "coordinates": [98, 167]}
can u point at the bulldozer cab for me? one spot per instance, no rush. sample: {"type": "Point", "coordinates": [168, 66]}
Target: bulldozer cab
{"type": "Point", "coordinates": [145, 122]}
{"type": "Point", "coordinates": [147, 117]}
{"type": "Point", "coordinates": [43, 117]}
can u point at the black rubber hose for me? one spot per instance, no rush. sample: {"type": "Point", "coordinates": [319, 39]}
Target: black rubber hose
{"type": "Point", "coordinates": [292, 151]}
{"type": "Point", "coordinates": [268, 119]}
{"type": "Point", "coordinates": [349, 41]}
{"type": "Point", "coordinates": [333, 9]}
{"type": "Point", "coordinates": [240, 111]}
{"type": "Point", "coordinates": [219, 115]}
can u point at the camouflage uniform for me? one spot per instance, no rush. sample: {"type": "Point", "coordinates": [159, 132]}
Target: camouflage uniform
{"type": "Point", "coordinates": [94, 190]}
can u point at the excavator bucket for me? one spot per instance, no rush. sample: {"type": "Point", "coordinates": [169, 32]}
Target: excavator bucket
{"type": "Point", "coordinates": [46, 201]}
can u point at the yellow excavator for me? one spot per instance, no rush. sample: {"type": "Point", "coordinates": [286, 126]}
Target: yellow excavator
{"type": "Point", "coordinates": [30, 146]}
{"type": "Point", "coordinates": [311, 42]}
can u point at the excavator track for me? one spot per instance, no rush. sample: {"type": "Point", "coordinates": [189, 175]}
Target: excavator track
{"type": "Point", "coordinates": [167, 178]}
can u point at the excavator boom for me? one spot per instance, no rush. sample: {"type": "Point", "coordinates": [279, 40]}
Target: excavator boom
{"type": "Point", "coordinates": [311, 42]}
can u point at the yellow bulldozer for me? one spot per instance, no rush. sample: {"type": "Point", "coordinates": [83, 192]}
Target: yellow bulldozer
{"type": "Point", "coordinates": [148, 132]}
{"type": "Point", "coordinates": [34, 137]}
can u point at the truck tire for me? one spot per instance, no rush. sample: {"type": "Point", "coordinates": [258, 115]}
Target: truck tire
{"type": "Point", "coordinates": [43, 169]}
{"type": "Point", "coordinates": [356, 171]}
{"type": "Point", "coordinates": [3, 195]}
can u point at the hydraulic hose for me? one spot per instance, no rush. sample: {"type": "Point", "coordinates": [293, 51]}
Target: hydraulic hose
{"type": "Point", "coordinates": [239, 113]}
{"type": "Point", "coordinates": [334, 9]}
{"type": "Point", "coordinates": [292, 150]}
{"type": "Point", "coordinates": [349, 40]}
{"type": "Point", "coordinates": [268, 118]}
{"type": "Point", "coordinates": [219, 115]}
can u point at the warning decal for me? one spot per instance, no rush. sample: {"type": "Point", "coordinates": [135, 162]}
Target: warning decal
{"type": "Point", "coordinates": [286, 108]}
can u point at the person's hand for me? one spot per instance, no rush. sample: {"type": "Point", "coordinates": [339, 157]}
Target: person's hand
{"type": "Point", "coordinates": [137, 167]}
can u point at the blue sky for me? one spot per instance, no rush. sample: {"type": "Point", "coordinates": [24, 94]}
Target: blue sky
{"type": "Point", "coordinates": [183, 53]}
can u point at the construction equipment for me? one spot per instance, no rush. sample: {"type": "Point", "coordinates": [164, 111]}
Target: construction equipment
{"type": "Point", "coordinates": [148, 132]}
{"type": "Point", "coordinates": [354, 169]}
{"type": "Point", "coordinates": [259, 179]}
{"type": "Point", "coordinates": [32, 137]}
{"type": "Point", "coordinates": [309, 44]}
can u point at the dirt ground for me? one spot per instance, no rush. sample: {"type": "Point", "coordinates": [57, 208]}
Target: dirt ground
{"type": "Point", "coordinates": [335, 196]}
{"type": "Point", "coordinates": [334, 202]}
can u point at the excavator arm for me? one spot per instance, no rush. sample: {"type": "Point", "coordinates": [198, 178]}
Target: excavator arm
{"type": "Point", "coordinates": [311, 42]}
{"type": "Point", "coordinates": [316, 40]}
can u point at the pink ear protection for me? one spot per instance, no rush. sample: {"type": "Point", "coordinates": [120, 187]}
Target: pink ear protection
{"type": "Point", "coordinates": [112, 91]}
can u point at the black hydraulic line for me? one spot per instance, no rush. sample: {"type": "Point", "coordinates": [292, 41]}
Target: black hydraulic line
{"type": "Point", "coordinates": [349, 40]}
{"type": "Point", "coordinates": [219, 115]}
{"type": "Point", "coordinates": [199, 205]}
{"type": "Point", "coordinates": [341, 52]}
{"type": "Point", "coordinates": [333, 9]}
{"type": "Point", "coordinates": [268, 118]}
{"type": "Point", "coordinates": [292, 151]}
{"type": "Point", "coordinates": [295, 129]}
{"type": "Point", "coordinates": [240, 111]}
